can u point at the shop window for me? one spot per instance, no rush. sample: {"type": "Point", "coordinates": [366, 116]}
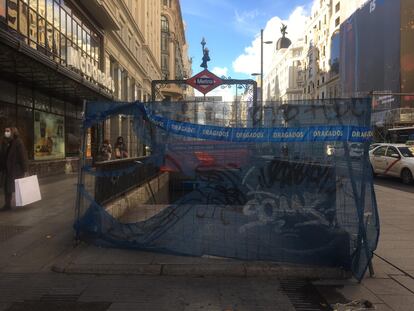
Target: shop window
{"type": "Point", "coordinates": [88, 44]}
{"type": "Point", "coordinates": [69, 26]}
{"type": "Point", "coordinates": [56, 45]}
{"type": "Point", "coordinates": [75, 32]}
{"type": "Point", "coordinates": [71, 110]}
{"type": "Point", "coordinates": [49, 37]}
{"type": "Point", "coordinates": [49, 136]}
{"type": "Point", "coordinates": [80, 40]}
{"type": "Point", "coordinates": [2, 10]}
{"type": "Point", "coordinates": [57, 106]}
{"type": "Point", "coordinates": [33, 4]}
{"type": "Point", "coordinates": [24, 97]}
{"type": "Point", "coordinates": [73, 136]}
{"type": "Point", "coordinates": [63, 21]}
{"type": "Point", "coordinates": [49, 11]}
{"type": "Point", "coordinates": [63, 47]}
{"type": "Point", "coordinates": [25, 126]}
{"type": "Point", "coordinates": [94, 49]}
{"type": "Point", "coordinates": [8, 92]}
{"type": "Point", "coordinates": [32, 28]}
{"type": "Point", "coordinates": [42, 7]}
{"type": "Point", "coordinates": [12, 14]}
{"type": "Point", "coordinates": [83, 43]}
{"type": "Point", "coordinates": [42, 32]}
{"type": "Point", "coordinates": [23, 18]}
{"type": "Point", "coordinates": [7, 114]}
{"type": "Point", "coordinates": [56, 15]}
{"type": "Point", "coordinates": [41, 102]}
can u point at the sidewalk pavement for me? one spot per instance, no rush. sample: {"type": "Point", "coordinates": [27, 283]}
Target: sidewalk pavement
{"type": "Point", "coordinates": [392, 287]}
{"type": "Point", "coordinates": [38, 238]}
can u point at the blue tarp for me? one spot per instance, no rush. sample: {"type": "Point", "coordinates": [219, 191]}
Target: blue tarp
{"type": "Point", "coordinates": [271, 194]}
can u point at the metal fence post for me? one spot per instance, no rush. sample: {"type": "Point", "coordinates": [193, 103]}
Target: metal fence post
{"type": "Point", "coordinates": [80, 186]}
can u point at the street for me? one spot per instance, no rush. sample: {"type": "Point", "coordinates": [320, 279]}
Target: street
{"type": "Point", "coordinates": [35, 238]}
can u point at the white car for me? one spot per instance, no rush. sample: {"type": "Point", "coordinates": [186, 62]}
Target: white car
{"type": "Point", "coordinates": [393, 160]}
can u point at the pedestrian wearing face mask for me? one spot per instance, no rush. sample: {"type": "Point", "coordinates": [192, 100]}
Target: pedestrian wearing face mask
{"type": "Point", "coordinates": [13, 162]}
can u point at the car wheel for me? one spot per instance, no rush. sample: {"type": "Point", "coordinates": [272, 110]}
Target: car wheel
{"type": "Point", "coordinates": [406, 176]}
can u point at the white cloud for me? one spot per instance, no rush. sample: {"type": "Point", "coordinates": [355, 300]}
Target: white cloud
{"type": "Point", "coordinates": [220, 71]}
{"type": "Point", "coordinates": [249, 61]}
{"type": "Point", "coordinates": [244, 21]}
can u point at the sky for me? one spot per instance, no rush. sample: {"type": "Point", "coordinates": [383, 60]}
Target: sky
{"type": "Point", "coordinates": [232, 31]}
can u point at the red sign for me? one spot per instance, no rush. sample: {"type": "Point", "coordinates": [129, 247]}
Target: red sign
{"type": "Point", "coordinates": [205, 81]}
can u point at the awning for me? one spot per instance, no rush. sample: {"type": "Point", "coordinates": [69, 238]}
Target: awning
{"type": "Point", "coordinates": [21, 63]}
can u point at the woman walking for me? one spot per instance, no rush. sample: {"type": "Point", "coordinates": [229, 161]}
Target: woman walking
{"type": "Point", "coordinates": [13, 162]}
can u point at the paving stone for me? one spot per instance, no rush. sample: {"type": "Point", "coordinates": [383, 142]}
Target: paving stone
{"type": "Point", "coordinates": [406, 281]}
{"type": "Point", "coordinates": [399, 303]}
{"type": "Point", "coordinates": [382, 287]}
{"type": "Point", "coordinates": [4, 306]}
{"type": "Point", "coordinates": [382, 307]}
{"type": "Point", "coordinates": [383, 269]}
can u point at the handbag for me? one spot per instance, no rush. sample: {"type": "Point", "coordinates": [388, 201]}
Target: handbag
{"type": "Point", "coordinates": [27, 190]}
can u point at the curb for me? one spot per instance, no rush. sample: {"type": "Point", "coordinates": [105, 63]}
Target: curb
{"type": "Point", "coordinates": [249, 270]}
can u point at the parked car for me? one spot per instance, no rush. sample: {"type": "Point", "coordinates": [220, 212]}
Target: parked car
{"type": "Point", "coordinates": [393, 160]}
{"type": "Point", "coordinates": [356, 150]}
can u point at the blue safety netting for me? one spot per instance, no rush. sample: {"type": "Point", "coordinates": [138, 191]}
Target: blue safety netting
{"type": "Point", "coordinates": [297, 189]}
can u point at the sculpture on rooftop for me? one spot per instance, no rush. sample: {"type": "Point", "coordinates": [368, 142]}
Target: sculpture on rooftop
{"type": "Point", "coordinates": [206, 57]}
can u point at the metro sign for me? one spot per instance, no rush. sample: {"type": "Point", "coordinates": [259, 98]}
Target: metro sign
{"type": "Point", "coordinates": [204, 81]}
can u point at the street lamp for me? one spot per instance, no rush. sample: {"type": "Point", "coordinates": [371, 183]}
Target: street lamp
{"type": "Point", "coordinates": [261, 71]}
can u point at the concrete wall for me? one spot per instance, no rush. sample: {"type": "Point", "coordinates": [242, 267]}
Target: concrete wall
{"type": "Point", "coordinates": [54, 167]}
{"type": "Point", "coordinates": [157, 188]}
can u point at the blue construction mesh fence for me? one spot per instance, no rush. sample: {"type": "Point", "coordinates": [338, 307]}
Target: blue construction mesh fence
{"type": "Point", "coordinates": [297, 189]}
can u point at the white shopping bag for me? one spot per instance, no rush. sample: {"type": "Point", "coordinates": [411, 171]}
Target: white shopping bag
{"type": "Point", "coordinates": [27, 190]}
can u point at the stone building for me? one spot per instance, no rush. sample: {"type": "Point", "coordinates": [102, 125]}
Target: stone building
{"type": "Point", "coordinates": [175, 64]}
{"type": "Point", "coordinates": [54, 54]}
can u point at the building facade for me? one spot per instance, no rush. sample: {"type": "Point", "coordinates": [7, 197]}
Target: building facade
{"type": "Point", "coordinates": [385, 26]}
{"type": "Point", "coordinates": [321, 47]}
{"type": "Point", "coordinates": [132, 58]}
{"type": "Point", "coordinates": [54, 54]}
{"type": "Point", "coordinates": [175, 64]}
{"type": "Point", "coordinates": [285, 79]}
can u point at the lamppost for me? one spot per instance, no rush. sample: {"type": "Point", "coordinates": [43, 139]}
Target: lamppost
{"type": "Point", "coordinates": [261, 72]}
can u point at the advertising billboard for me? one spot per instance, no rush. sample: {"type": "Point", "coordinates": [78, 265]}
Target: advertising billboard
{"type": "Point", "coordinates": [49, 136]}
{"type": "Point", "coordinates": [407, 52]}
{"type": "Point", "coordinates": [370, 49]}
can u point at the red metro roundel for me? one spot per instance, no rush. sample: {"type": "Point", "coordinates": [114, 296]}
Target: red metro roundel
{"type": "Point", "coordinates": [204, 81]}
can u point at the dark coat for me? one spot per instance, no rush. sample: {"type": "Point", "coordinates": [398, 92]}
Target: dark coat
{"type": "Point", "coordinates": [13, 163]}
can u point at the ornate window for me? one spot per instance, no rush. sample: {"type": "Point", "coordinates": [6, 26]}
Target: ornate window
{"type": "Point", "coordinates": [165, 50]}
{"type": "Point", "coordinates": [164, 24]}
